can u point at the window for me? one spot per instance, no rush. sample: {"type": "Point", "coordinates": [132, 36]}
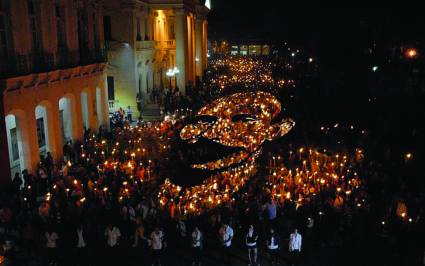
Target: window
{"type": "Point", "coordinates": [14, 142]}
{"type": "Point", "coordinates": [40, 132]}
{"type": "Point", "coordinates": [60, 27]}
{"type": "Point", "coordinates": [172, 34]}
{"type": "Point", "coordinates": [3, 29]}
{"type": "Point", "coordinates": [139, 36]}
{"type": "Point", "coordinates": [111, 89]}
{"type": "Point", "coordinates": [33, 25]}
{"type": "Point", "coordinates": [95, 35]}
{"type": "Point", "coordinates": [107, 28]}
{"type": "Point", "coordinates": [82, 30]}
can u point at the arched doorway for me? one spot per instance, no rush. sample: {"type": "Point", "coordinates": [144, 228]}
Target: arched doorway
{"type": "Point", "coordinates": [65, 117]}
{"type": "Point", "coordinates": [17, 141]}
{"type": "Point", "coordinates": [42, 126]}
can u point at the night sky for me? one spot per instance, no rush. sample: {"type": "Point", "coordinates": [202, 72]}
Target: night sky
{"type": "Point", "coordinates": [320, 30]}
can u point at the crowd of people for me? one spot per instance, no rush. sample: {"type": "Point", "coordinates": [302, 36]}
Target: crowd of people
{"type": "Point", "coordinates": [100, 204]}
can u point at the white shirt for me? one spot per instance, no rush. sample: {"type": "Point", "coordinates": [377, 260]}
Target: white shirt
{"type": "Point", "coordinates": [156, 239]}
{"type": "Point", "coordinates": [295, 240]}
{"type": "Point", "coordinates": [273, 243]}
{"type": "Point", "coordinates": [51, 239]}
{"type": "Point", "coordinates": [226, 234]}
{"type": "Point", "coordinates": [81, 243]}
{"type": "Point", "coordinates": [112, 236]}
{"type": "Point", "coordinates": [196, 238]}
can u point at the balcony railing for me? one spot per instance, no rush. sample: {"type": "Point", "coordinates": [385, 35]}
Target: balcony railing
{"type": "Point", "coordinates": [18, 65]}
{"type": "Point", "coordinates": [171, 44]}
{"type": "Point", "coordinates": [145, 45]}
{"type": "Point", "coordinates": [151, 45]}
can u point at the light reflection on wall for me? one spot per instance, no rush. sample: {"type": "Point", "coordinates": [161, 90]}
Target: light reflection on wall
{"type": "Point", "coordinates": [161, 26]}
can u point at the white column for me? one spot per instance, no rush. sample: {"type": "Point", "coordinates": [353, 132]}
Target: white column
{"type": "Point", "coordinates": [54, 130]}
{"type": "Point", "coordinates": [28, 132]}
{"type": "Point", "coordinates": [199, 28]}
{"type": "Point", "coordinates": [181, 48]}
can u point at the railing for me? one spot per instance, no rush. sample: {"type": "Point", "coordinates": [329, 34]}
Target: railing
{"type": "Point", "coordinates": [170, 44]}
{"type": "Point", "coordinates": [151, 45]}
{"type": "Point", "coordinates": [145, 45]}
{"type": "Point", "coordinates": [18, 65]}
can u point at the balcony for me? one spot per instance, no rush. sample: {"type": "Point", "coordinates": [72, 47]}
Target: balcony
{"type": "Point", "coordinates": [145, 45]}
{"type": "Point", "coordinates": [152, 45]}
{"type": "Point", "coordinates": [37, 62]}
{"type": "Point", "coordinates": [166, 45]}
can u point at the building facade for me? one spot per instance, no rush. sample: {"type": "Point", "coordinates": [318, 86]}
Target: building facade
{"type": "Point", "coordinates": [147, 38]}
{"type": "Point", "coordinates": [52, 78]}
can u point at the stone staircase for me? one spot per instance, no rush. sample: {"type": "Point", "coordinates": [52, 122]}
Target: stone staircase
{"type": "Point", "coordinates": [151, 112]}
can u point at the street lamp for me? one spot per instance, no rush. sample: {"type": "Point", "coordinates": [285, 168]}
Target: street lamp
{"type": "Point", "coordinates": [170, 73]}
{"type": "Point", "coordinates": [176, 71]}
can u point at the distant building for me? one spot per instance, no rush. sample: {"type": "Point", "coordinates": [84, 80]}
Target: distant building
{"type": "Point", "coordinates": [251, 49]}
{"type": "Point", "coordinates": [52, 78]}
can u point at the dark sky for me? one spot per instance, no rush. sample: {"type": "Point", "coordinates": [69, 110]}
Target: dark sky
{"type": "Point", "coordinates": [237, 20]}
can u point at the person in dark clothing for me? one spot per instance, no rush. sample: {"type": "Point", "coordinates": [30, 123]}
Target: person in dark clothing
{"type": "Point", "coordinates": [273, 247]}
{"type": "Point", "coordinates": [251, 243]}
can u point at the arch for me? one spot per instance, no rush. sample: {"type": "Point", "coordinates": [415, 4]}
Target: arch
{"type": "Point", "coordinates": [17, 140]}
{"type": "Point", "coordinates": [66, 113]}
{"type": "Point", "coordinates": [44, 125]}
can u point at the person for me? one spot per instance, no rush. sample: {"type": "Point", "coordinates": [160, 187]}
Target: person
{"type": "Point", "coordinates": [81, 246]}
{"type": "Point", "coordinates": [141, 243]}
{"type": "Point", "coordinates": [129, 114]}
{"type": "Point", "coordinates": [181, 229]}
{"type": "Point", "coordinates": [295, 242]}
{"type": "Point", "coordinates": [139, 102]}
{"type": "Point", "coordinates": [197, 246]}
{"type": "Point", "coordinates": [51, 246]}
{"type": "Point", "coordinates": [112, 234]}
{"type": "Point", "coordinates": [157, 238]}
{"type": "Point", "coordinates": [271, 213]}
{"type": "Point", "coordinates": [251, 243]}
{"type": "Point", "coordinates": [273, 247]}
{"type": "Point", "coordinates": [16, 183]}
{"type": "Point", "coordinates": [226, 236]}
{"type": "Point", "coordinates": [121, 113]}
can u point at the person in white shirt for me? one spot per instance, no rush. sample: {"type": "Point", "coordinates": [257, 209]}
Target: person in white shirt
{"type": "Point", "coordinates": [129, 114]}
{"type": "Point", "coordinates": [226, 236]}
{"type": "Point", "coordinates": [81, 246]}
{"type": "Point", "coordinates": [295, 242]}
{"type": "Point", "coordinates": [273, 247]}
{"type": "Point", "coordinates": [113, 235]}
{"type": "Point", "coordinates": [196, 246]}
{"type": "Point", "coordinates": [157, 244]}
{"type": "Point", "coordinates": [251, 243]}
{"type": "Point", "coordinates": [51, 238]}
